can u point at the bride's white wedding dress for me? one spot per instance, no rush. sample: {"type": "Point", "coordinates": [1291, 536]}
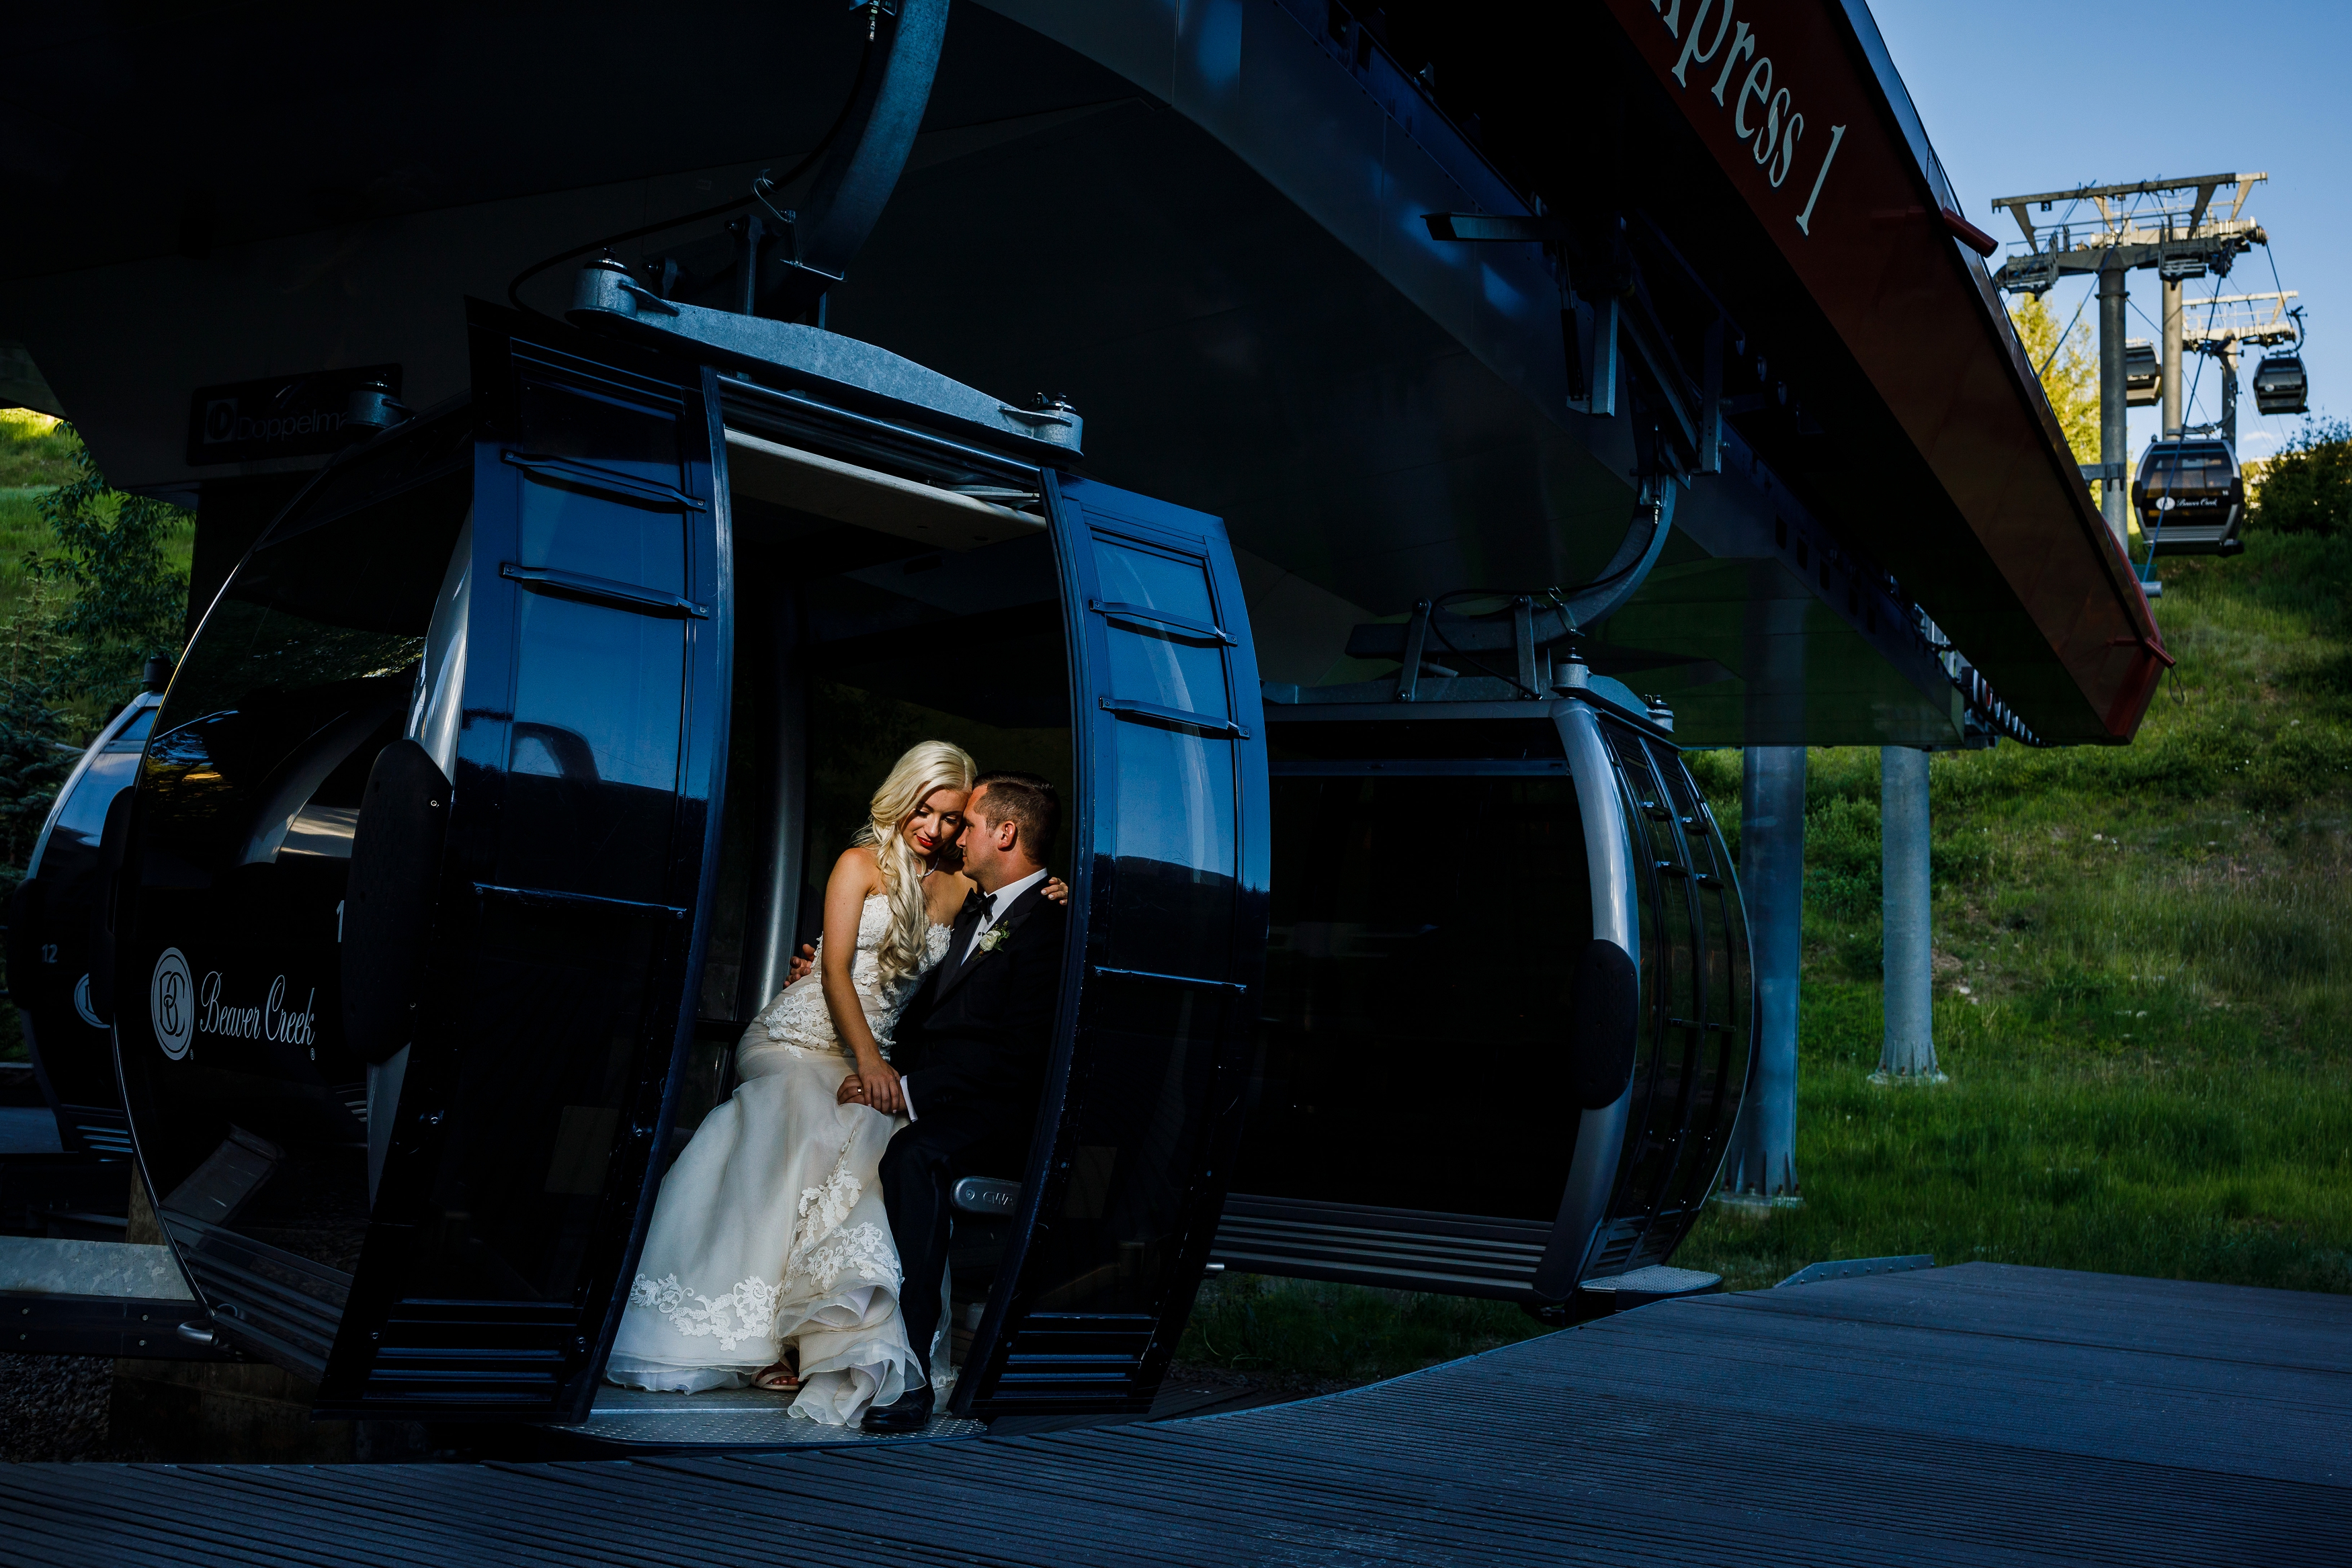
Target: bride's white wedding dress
{"type": "Point", "coordinates": [770, 1229]}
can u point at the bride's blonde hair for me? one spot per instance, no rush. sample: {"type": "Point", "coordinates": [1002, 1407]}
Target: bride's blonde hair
{"type": "Point", "coordinates": [927, 766]}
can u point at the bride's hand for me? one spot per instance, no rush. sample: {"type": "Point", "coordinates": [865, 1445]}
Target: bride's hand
{"type": "Point", "coordinates": [879, 1081]}
{"type": "Point", "coordinates": [1056, 889]}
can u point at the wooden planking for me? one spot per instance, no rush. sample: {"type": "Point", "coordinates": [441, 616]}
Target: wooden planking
{"type": "Point", "coordinates": [1975, 1415]}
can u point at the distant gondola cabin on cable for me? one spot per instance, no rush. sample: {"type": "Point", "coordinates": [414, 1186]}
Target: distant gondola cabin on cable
{"type": "Point", "coordinates": [2143, 374]}
{"type": "Point", "coordinates": [500, 783]}
{"type": "Point", "coordinates": [2190, 497]}
{"type": "Point", "coordinates": [2281, 384]}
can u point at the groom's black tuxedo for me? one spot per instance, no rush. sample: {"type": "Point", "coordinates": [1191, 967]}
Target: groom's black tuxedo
{"type": "Point", "coordinates": [975, 1037]}
{"type": "Point", "coordinates": [972, 1045]}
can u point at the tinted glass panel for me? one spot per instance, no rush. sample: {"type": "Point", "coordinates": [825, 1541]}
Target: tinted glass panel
{"type": "Point", "coordinates": [1658, 1056]}
{"type": "Point", "coordinates": [1405, 956]}
{"type": "Point", "coordinates": [598, 700]}
{"type": "Point", "coordinates": [1152, 661]}
{"type": "Point", "coordinates": [1171, 584]}
{"type": "Point", "coordinates": [83, 817]}
{"type": "Point", "coordinates": [608, 430]}
{"type": "Point", "coordinates": [1169, 670]}
{"type": "Point", "coordinates": [597, 693]}
{"type": "Point", "coordinates": [1172, 829]}
{"type": "Point", "coordinates": [1138, 1130]}
{"type": "Point", "coordinates": [533, 1121]}
{"type": "Point", "coordinates": [53, 956]}
{"type": "Point", "coordinates": [573, 530]}
{"type": "Point", "coordinates": [251, 1111]}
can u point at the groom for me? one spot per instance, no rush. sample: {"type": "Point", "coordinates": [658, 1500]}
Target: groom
{"type": "Point", "coordinates": [973, 1046]}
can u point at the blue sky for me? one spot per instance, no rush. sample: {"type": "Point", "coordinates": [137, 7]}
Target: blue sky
{"type": "Point", "coordinates": [2043, 96]}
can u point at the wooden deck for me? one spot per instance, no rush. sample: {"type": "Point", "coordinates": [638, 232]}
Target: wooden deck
{"type": "Point", "coordinates": [1974, 1415]}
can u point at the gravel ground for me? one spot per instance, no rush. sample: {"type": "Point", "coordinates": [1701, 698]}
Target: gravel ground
{"type": "Point", "coordinates": [53, 1407]}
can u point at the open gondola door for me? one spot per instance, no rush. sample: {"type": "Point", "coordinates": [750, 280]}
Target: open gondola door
{"type": "Point", "coordinates": [423, 845]}
{"type": "Point", "coordinates": [550, 999]}
{"type": "Point", "coordinates": [1168, 862]}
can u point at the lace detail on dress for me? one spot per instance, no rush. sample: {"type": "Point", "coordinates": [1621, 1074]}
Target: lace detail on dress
{"type": "Point", "coordinates": [797, 1018]}
{"type": "Point", "coordinates": [747, 1311]}
{"type": "Point", "coordinates": [833, 1201]}
{"type": "Point", "coordinates": [861, 1247]}
{"type": "Point", "coordinates": [823, 1251]}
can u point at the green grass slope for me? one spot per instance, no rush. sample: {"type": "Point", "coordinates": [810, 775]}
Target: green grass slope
{"type": "Point", "coordinates": [2144, 976]}
{"type": "Point", "coordinates": [2144, 979]}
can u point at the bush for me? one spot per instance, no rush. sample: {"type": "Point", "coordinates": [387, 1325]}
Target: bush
{"type": "Point", "coordinates": [123, 601]}
{"type": "Point", "coordinates": [36, 750]}
{"type": "Point", "coordinates": [2307, 487]}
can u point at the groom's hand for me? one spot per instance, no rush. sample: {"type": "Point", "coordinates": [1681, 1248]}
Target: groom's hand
{"type": "Point", "coordinates": [851, 1092]}
{"type": "Point", "coordinates": [803, 962]}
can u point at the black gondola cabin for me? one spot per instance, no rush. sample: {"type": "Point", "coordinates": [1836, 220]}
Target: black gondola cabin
{"type": "Point", "coordinates": [2190, 497]}
{"type": "Point", "coordinates": [494, 792]}
{"type": "Point", "coordinates": [2281, 384]}
{"type": "Point", "coordinates": [61, 938]}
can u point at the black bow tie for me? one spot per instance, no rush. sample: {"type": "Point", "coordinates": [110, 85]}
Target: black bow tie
{"type": "Point", "coordinates": [975, 906]}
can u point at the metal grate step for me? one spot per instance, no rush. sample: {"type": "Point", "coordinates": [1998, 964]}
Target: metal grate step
{"type": "Point", "coordinates": [1399, 1248]}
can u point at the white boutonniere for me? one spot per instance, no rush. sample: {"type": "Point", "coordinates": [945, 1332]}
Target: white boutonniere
{"type": "Point", "coordinates": [992, 938]}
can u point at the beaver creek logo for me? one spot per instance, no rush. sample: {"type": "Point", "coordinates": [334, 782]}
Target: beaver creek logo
{"type": "Point", "coordinates": [171, 1004]}
{"type": "Point", "coordinates": [271, 1020]}
{"type": "Point", "coordinates": [180, 1009]}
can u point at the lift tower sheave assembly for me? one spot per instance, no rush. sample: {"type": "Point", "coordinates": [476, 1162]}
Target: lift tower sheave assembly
{"type": "Point", "coordinates": [2229, 321]}
{"type": "Point", "coordinates": [2184, 228]}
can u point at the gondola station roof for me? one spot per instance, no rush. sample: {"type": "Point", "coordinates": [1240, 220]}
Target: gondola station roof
{"type": "Point", "coordinates": [1219, 231]}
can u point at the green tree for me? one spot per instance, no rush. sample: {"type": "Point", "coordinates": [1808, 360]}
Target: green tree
{"type": "Point", "coordinates": [124, 603]}
{"type": "Point", "coordinates": [34, 752]}
{"type": "Point", "coordinates": [2070, 371]}
{"type": "Point", "coordinates": [2307, 487]}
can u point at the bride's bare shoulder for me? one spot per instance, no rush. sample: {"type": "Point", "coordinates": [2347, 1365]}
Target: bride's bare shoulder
{"type": "Point", "coordinates": [856, 869]}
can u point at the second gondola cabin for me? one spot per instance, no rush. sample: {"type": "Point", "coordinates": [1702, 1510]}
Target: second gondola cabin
{"type": "Point", "coordinates": [482, 814]}
{"type": "Point", "coordinates": [2190, 496]}
{"type": "Point", "coordinates": [2282, 385]}
{"type": "Point", "coordinates": [60, 937]}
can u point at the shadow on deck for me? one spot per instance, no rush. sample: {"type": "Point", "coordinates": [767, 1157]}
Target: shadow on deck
{"type": "Point", "coordinates": [1975, 1415]}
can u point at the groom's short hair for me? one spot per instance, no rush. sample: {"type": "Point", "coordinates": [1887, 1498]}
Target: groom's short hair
{"type": "Point", "coordinates": [1028, 801]}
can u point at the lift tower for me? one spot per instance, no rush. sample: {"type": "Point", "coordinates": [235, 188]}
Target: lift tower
{"type": "Point", "coordinates": [2230, 319]}
{"type": "Point", "coordinates": [2184, 228]}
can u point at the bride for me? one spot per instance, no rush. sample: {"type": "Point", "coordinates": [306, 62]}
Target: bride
{"type": "Point", "coordinates": [770, 1257]}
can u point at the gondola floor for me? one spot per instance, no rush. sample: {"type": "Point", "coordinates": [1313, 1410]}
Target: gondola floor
{"type": "Point", "coordinates": [1982, 1413]}
{"type": "Point", "coordinates": [730, 1418]}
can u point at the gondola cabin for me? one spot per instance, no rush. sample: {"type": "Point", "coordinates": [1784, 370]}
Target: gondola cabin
{"type": "Point", "coordinates": [2280, 385]}
{"type": "Point", "coordinates": [61, 942]}
{"type": "Point", "coordinates": [1500, 903]}
{"type": "Point", "coordinates": [2143, 374]}
{"type": "Point", "coordinates": [2190, 496]}
{"type": "Point", "coordinates": [501, 779]}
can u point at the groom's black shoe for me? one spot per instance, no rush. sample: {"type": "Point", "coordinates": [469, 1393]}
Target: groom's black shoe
{"type": "Point", "coordinates": [912, 1413]}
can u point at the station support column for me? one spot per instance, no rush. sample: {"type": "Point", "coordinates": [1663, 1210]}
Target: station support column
{"type": "Point", "coordinates": [1763, 1164]}
{"type": "Point", "coordinates": [2230, 393]}
{"type": "Point", "coordinates": [1908, 1055]}
{"type": "Point", "coordinates": [2115, 439]}
{"type": "Point", "coordinates": [2172, 387]}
